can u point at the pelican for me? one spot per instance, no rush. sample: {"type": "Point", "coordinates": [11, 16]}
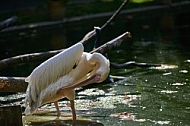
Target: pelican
{"type": "Point", "coordinates": [57, 77]}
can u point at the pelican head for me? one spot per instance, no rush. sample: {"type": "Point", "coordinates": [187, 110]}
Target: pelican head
{"type": "Point", "coordinates": [101, 68]}
{"type": "Point", "coordinates": [58, 77]}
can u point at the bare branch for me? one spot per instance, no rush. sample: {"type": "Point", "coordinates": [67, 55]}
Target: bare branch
{"type": "Point", "coordinates": [13, 84]}
{"type": "Point", "coordinates": [45, 55]}
{"type": "Point", "coordinates": [8, 22]}
{"type": "Point", "coordinates": [107, 47]}
{"type": "Point", "coordinates": [26, 58]}
{"type": "Point", "coordinates": [16, 84]}
{"type": "Point", "coordinates": [91, 34]}
{"type": "Point", "coordinates": [133, 63]}
{"type": "Point", "coordinates": [115, 14]}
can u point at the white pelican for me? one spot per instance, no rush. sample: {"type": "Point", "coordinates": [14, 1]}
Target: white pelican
{"type": "Point", "coordinates": [58, 77]}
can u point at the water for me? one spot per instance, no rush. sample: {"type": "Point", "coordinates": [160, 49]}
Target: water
{"type": "Point", "coordinates": [146, 96]}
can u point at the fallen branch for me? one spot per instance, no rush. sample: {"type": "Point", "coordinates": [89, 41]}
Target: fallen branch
{"type": "Point", "coordinates": [13, 84]}
{"type": "Point", "coordinates": [5, 63]}
{"type": "Point", "coordinates": [17, 84]}
{"type": "Point", "coordinates": [107, 47]}
{"type": "Point", "coordinates": [27, 58]}
{"type": "Point", "coordinates": [133, 63]}
{"type": "Point", "coordinates": [92, 33]}
{"type": "Point", "coordinates": [8, 22]}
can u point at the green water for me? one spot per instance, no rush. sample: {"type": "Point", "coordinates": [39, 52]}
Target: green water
{"type": "Point", "coordinates": [146, 96]}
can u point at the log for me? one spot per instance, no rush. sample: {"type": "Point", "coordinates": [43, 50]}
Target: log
{"type": "Point", "coordinates": [45, 55]}
{"type": "Point", "coordinates": [13, 84]}
{"type": "Point", "coordinates": [8, 22]}
{"type": "Point", "coordinates": [107, 47]}
{"type": "Point", "coordinates": [11, 115]}
{"type": "Point", "coordinates": [17, 84]}
{"type": "Point", "coordinates": [28, 58]}
{"type": "Point", "coordinates": [133, 63]}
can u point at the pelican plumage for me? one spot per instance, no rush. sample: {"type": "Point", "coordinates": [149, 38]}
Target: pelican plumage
{"type": "Point", "coordinates": [58, 77]}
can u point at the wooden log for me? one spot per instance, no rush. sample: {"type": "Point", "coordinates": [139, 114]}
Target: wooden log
{"type": "Point", "coordinates": [107, 47]}
{"type": "Point", "coordinates": [17, 84]}
{"type": "Point", "coordinates": [11, 116]}
{"type": "Point", "coordinates": [27, 58]}
{"type": "Point", "coordinates": [8, 22]}
{"type": "Point", "coordinates": [13, 84]}
{"type": "Point", "coordinates": [133, 63]}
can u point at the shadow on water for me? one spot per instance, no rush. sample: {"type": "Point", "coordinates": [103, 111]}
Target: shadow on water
{"type": "Point", "coordinates": [151, 96]}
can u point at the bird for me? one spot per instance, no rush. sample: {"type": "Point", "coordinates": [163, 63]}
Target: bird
{"type": "Point", "coordinates": [60, 75]}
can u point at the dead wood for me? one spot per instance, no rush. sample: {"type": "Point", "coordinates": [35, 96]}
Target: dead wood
{"type": "Point", "coordinates": [17, 84]}
{"type": "Point", "coordinates": [13, 84]}
{"type": "Point", "coordinates": [133, 63]}
{"type": "Point", "coordinates": [26, 58]}
{"type": "Point", "coordinates": [11, 115]}
{"type": "Point", "coordinates": [92, 33]}
{"type": "Point", "coordinates": [8, 22]}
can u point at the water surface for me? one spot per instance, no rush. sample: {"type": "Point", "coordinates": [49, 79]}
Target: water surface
{"type": "Point", "coordinates": [145, 96]}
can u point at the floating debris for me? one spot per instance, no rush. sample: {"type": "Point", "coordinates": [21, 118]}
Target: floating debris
{"type": "Point", "coordinates": [164, 66]}
{"type": "Point", "coordinates": [188, 61]}
{"type": "Point", "coordinates": [165, 74]}
{"type": "Point", "coordinates": [124, 116]}
{"type": "Point", "coordinates": [178, 84]}
{"type": "Point", "coordinates": [183, 71]}
{"type": "Point", "coordinates": [160, 122]}
{"type": "Point", "coordinates": [168, 91]}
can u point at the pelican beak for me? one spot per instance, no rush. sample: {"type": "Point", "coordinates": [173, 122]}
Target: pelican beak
{"type": "Point", "coordinates": [93, 79]}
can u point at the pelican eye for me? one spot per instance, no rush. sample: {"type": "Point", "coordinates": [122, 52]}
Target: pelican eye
{"type": "Point", "coordinates": [75, 66]}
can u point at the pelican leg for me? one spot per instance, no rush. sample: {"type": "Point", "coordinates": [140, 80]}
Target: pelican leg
{"type": "Point", "coordinates": [73, 109]}
{"type": "Point", "coordinates": [57, 108]}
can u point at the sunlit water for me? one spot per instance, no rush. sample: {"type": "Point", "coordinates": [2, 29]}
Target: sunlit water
{"type": "Point", "coordinates": [145, 96]}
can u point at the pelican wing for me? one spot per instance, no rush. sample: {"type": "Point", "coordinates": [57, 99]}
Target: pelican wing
{"type": "Point", "coordinates": [51, 70]}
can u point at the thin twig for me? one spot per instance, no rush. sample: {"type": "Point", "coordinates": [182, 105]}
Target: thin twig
{"type": "Point", "coordinates": [115, 14]}
{"type": "Point", "coordinates": [92, 33]}
{"type": "Point", "coordinates": [44, 55]}
{"type": "Point", "coordinates": [133, 63]}
{"type": "Point", "coordinates": [27, 58]}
